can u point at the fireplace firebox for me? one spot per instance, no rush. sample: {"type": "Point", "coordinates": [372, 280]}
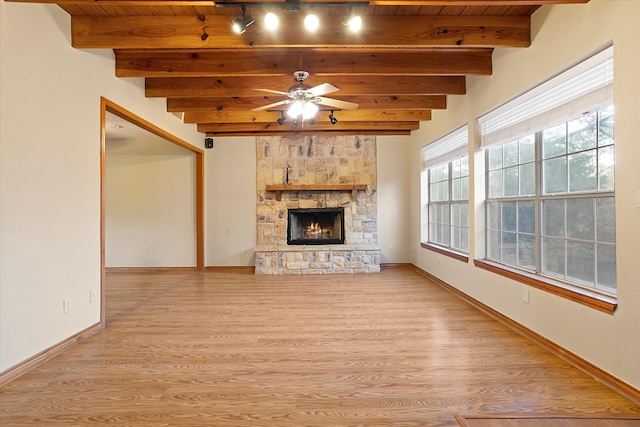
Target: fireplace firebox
{"type": "Point", "coordinates": [320, 226]}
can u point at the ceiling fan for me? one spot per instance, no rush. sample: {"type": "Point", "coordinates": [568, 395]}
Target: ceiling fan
{"type": "Point", "coordinates": [305, 99]}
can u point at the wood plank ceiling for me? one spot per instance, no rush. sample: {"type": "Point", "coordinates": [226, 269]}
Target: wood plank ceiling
{"type": "Point", "coordinates": [409, 56]}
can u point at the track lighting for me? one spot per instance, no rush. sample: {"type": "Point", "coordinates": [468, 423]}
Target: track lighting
{"type": "Point", "coordinates": [240, 25]}
{"type": "Point", "coordinates": [282, 118]}
{"type": "Point", "coordinates": [332, 119]}
{"type": "Point", "coordinates": [271, 20]}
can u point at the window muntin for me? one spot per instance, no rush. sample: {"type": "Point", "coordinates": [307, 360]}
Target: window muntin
{"type": "Point", "coordinates": [561, 225]}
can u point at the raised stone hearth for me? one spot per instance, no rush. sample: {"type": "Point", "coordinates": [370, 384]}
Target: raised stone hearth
{"type": "Point", "coordinates": [314, 173]}
{"type": "Point", "coordinates": [326, 259]}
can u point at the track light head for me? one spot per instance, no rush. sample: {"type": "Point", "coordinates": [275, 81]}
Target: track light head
{"type": "Point", "coordinates": [311, 22]}
{"type": "Point", "coordinates": [353, 22]}
{"type": "Point", "coordinates": [332, 118]}
{"type": "Point", "coordinates": [240, 25]}
{"type": "Point", "coordinates": [271, 21]}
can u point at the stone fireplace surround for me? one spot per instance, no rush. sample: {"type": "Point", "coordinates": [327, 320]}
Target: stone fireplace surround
{"type": "Point", "coordinates": [317, 163]}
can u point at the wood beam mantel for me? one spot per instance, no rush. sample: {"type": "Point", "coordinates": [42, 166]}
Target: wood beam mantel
{"type": "Point", "coordinates": [279, 188]}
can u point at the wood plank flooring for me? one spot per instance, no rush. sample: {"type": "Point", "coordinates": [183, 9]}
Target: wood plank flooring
{"type": "Point", "coordinates": [233, 349]}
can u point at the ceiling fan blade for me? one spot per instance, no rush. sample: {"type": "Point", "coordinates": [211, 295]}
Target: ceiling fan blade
{"type": "Point", "coordinates": [322, 89]}
{"type": "Point", "coordinates": [272, 91]}
{"type": "Point", "coordinates": [275, 104]}
{"type": "Point", "coordinates": [343, 105]}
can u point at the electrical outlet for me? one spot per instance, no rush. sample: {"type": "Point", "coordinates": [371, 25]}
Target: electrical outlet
{"type": "Point", "coordinates": [66, 305]}
{"type": "Point", "coordinates": [228, 231]}
{"type": "Point", "coordinates": [525, 296]}
{"type": "Point", "coordinates": [390, 249]}
{"type": "Point", "coordinates": [92, 296]}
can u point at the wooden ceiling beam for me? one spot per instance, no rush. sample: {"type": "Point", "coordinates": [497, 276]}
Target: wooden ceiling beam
{"type": "Point", "coordinates": [394, 102]}
{"type": "Point", "coordinates": [288, 126]}
{"type": "Point", "coordinates": [320, 62]}
{"type": "Point", "coordinates": [322, 116]}
{"type": "Point", "coordinates": [305, 132]}
{"type": "Point", "coordinates": [222, 86]}
{"type": "Point", "coordinates": [209, 3]}
{"type": "Point", "coordinates": [214, 32]}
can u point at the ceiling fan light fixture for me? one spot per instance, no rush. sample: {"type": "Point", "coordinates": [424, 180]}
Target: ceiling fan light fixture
{"type": "Point", "coordinates": [295, 110]}
{"type": "Point", "coordinates": [309, 110]}
{"type": "Point", "coordinates": [311, 22]}
{"type": "Point", "coordinates": [271, 21]}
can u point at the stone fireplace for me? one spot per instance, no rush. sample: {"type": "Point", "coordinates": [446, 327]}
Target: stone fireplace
{"type": "Point", "coordinates": [300, 177]}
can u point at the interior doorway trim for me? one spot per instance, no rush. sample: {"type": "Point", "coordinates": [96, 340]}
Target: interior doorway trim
{"type": "Point", "coordinates": [107, 106]}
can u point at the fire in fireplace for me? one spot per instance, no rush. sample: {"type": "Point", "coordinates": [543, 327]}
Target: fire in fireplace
{"type": "Point", "coordinates": [321, 226]}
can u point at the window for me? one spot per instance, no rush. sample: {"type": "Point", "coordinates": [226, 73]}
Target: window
{"type": "Point", "coordinates": [550, 193]}
{"type": "Point", "coordinates": [447, 183]}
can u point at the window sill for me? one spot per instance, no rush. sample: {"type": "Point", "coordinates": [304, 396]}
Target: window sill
{"type": "Point", "coordinates": [604, 303]}
{"type": "Point", "coordinates": [446, 252]}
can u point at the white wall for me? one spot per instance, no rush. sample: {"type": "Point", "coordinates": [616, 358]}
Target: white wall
{"type": "Point", "coordinates": [150, 204]}
{"type": "Point", "coordinates": [393, 198]}
{"type": "Point", "coordinates": [230, 198]}
{"type": "Point", "coordinates": [563, 34]}
{"type": "Point", "coordinates": [50, 174]}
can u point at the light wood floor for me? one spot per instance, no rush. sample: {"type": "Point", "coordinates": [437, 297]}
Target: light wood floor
{"type": "Point", "coordinates": [233, 349]}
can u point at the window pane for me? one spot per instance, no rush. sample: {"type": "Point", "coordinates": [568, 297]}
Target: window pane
{"type": "Point", "coordinates": [605, 127]}
{"type": "Point", "coordinates": [580, 219]}
{"type": "Point", "coordinates": [527, 251]}
{"type": "Point", "coordinates": [605, 220]}
{"type": "Point", "coordinates": [526, 217]}
{"type": "Point", "coordinates": [455, 214]}
{"type": "Point", "coordinates": [555, 175]}
{"type": "Point", "coordinates": [553, 218]}
{"type": "Point", "coordinates": [581, 262]}
{"type": "Point", "coordinates": [509, 248]}
{"type": "Point", "coordinates": [495, 184]}
{"type": "Point", "coordinates": [582, 171]}
{"type": "Point", "coordinates": [511, 182]}
{"type": "Point", "coordinates": [582, 133]}
{"type": "Point", "coordinates": [464, 188]}
{"type": "Point", "coordinates": [528, 179]}
{"type": "Point", "coordinates": [464, 239]}
{"type": "Point", "coordinates": [464, 166]}
{"type": "Point", "coordinates": [455, 168]}
{"type": "Point", "coordinates": [606, 267]}
{"type": "Point", "coordinates": [554, 141]}
{"type": "Point", "coordinates": [510, 153]}
{"type": "Point", "coordinates": [527, 149]}
{"type": "Point", "coordinates": [493, 245]}
{"type": "Point", "coordinates": [553, 256]}
{"type": "Point", "coordinates": [509, 216]}
{"type": "Point", "coordinates": [495, 158]}
{"type": "Point", "coordinates": [455, 189]}
{"type": "Point", "coordinates": [464, 214]}
{"type": "Point", "coordinates": [605, 169]}
{"type": "Point", "coordinates": [493, 216]}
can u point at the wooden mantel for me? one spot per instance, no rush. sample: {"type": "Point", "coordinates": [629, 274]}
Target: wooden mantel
{"type": "Point", "coordinates": [279, 188]}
